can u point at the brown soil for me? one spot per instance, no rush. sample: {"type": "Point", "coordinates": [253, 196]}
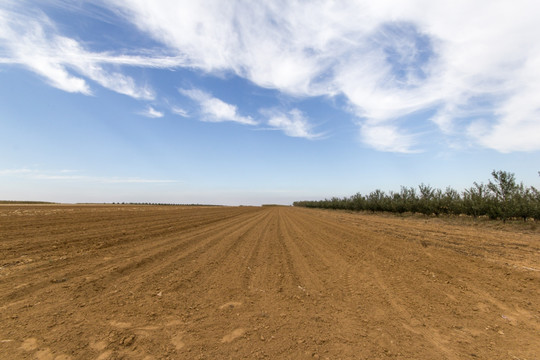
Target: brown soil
{"type": "Point", "coordinates": [148, 282]}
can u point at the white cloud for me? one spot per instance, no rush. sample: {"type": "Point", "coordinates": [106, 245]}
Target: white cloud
{"type": "Point", "coordinates": [116, 180]}
{"type": "Point", "coordinates": [35, 174]}
{"type": "Point", "coordinates": [509, 134]}
{"type": "Point", "coordinates": [293, 123]}
{"type": "Point", "coordinates": [517, 127]}
{"type": "Point", "coordinates": [151, 113]}
{"type": "Point", "coordinates": [32, 41]}
{"type": "Point", "coordinates": [25, 40]}
{"type": "Point", "coordinates": [388, 59]}
{"type": "Point", "coordinates": [214, 109]}
{"type": "Point", "coordinates": [15, 171]}
{"type": "Point", "coordinates": [179, 111]}
{"type": "Point", "coordinates": [387, 138]}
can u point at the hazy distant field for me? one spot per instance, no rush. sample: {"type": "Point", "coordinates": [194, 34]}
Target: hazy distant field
{"type": "Point", "coordinates": [150, 282]}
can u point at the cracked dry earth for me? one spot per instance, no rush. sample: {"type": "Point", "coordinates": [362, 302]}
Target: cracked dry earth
{"type": "Point", "coordinates": [150, 282]}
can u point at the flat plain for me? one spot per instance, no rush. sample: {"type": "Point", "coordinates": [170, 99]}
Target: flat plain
{"type": "Point", "coordinates": [173, 282]}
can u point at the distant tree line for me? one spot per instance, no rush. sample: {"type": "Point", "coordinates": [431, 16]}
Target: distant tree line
{"type": "Point", "coordinates": [160, 204]}
{"type": "Point", "coordinates": [501, 198]}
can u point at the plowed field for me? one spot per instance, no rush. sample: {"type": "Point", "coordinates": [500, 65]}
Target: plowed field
{"type": "Point", "coordinates": [149, 282]}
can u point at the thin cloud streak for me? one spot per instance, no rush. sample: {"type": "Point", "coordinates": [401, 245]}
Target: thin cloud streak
{"type": "Point", "coordinates": [179, 111]}
{"type": "Point", "coordinates": [293, 123]}
{"type": "Point", "coordinates": [32, 174]}
{"type": "Point", "coordinates": [214, 109]}
{"type": "Point", "coordinates": [387, 138]}
{"type": "Point", "coordinates": [150, 112]}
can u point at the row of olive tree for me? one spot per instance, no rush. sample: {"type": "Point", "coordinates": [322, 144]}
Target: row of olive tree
{"type": "Point", "coordinates": [501, 198]}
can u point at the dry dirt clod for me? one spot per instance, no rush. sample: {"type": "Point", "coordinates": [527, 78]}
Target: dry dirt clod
{"type": "Point", "coordinates": [127, 340]}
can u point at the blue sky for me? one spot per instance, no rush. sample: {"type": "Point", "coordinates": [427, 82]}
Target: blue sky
{"type": "Point", "coordinates": [233, 102]}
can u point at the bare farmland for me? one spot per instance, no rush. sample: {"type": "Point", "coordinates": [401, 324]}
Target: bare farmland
{"type": "Point", "coordinates": [149, 282]}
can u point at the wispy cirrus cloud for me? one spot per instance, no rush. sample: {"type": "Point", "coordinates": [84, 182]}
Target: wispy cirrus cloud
{"type": "Point", "coordinates": [10, 172]}
{"type": "Point", "coordinates": [293, 123]}
{"type": "Point", "coordinates": [214, 109]}
{"type": "Point", "coordinates": [150, 112]}
{"type": "Point", "coordinates": [388, 138]}
{"type": "Point", "coordinates": [74, 175]}
{"type": "Point", "coordinates": [180, 111]}
{"type": "Point", "coordinates": [32, 40]}
{"type": "Point", "coordinates": [388, 60]}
